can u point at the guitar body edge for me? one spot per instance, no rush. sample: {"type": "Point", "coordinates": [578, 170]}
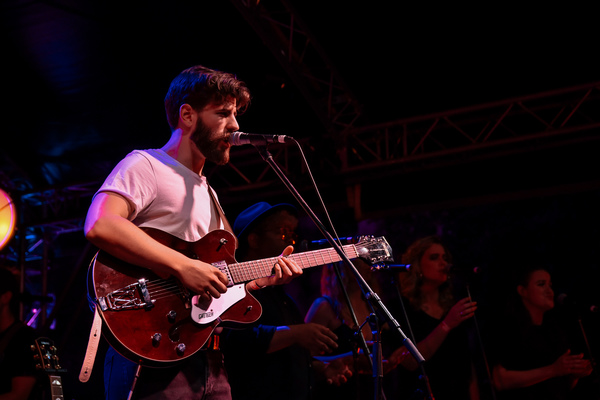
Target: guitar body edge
{"type": "Point", "coordinates": [164, 333]}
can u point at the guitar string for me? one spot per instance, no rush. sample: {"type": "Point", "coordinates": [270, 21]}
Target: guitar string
{"type": "Point", "coordinates": [246, 271]}
{"type": "Point", "coordinates": [163, 288]}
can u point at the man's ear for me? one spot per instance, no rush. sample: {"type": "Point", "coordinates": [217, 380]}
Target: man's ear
{"type": "Point", "coordinates": [187, 115]}
{"type": "Point", "coordinates": [521, 290]}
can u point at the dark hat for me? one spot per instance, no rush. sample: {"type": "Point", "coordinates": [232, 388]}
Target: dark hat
{"type": "Point", "coordinates": [253, 213]}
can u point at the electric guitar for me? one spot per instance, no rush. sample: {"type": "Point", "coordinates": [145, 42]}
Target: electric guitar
{"type": "Point", "coordinates": [158, 322]}
{"type": "Point", "coordinates": [46, 358]}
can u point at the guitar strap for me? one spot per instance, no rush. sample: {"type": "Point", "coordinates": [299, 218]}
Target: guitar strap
{"type": "Point", "coordinates": [95, 332]}
{"type": "Point", "coordinates": [92, 347]}
{"type": "Point", "coordinates": [226, 223]}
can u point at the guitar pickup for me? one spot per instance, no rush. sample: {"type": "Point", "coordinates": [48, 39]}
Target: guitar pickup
{"type": "Point", "coordinates": [130, 297]}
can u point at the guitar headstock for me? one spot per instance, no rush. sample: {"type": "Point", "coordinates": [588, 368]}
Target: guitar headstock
{"type": "Point", "coordinates": [46, 359]}
{"type": "Point", "coordinates": [374, 250]}
{"type": "Point", "coordinates": [46, 355]}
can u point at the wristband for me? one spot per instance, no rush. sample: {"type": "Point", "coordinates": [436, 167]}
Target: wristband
{"type": "Point", "coordinates": [255, 286]}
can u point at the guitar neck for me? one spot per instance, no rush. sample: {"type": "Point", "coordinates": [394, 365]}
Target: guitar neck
{"type": "Point", "coordinates": [56, 388]}
{"type": "Point", "coordinates": [249, 270]}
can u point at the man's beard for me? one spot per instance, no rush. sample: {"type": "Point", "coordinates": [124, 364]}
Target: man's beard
{"type": "Point", "coordinates": [204, 139]}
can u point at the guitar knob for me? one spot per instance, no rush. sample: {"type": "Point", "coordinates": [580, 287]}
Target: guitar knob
{"type": "Point", "coordinates": [156, 339]}
{"type": "Point", "coordinates": [180, 349]}
{"type": "Point", "coordinates": [222, 242]}
{"type": "Point", "coordinates": [172, 315]}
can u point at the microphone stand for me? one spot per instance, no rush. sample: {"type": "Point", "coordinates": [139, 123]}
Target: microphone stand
{"type": "Point", "coordinates": [378, 361]}
{"type": "Point", "coordinates": [372, 297]}
{"type": "Point", "coordinates": [358, 333]}
{"type": "Point", "coordinates": [424, 378]}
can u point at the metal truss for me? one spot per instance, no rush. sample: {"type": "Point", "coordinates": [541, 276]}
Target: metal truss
{"type": "Point", "coordinates": [45, 215]}
{"type": "Point", "coordinates": [287, 36]}
{"type": "Point", "coordinates": [58, 210]}
{"type": "Point", "coordinates": [480, 132]}
{"type": "Point", "coordinates": [517, 125]}
{"type": "Point", "coordinates": [248, 175]}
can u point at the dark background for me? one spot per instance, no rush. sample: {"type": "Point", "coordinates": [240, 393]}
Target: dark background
{"type": "Point", "coordinates": [84, 84]}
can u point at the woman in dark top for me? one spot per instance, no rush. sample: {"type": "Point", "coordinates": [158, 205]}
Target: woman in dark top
{"type": "Point", "coordinates": [430, 316]}
{"type": "Point", "coordinates": [332, 311]}
{"type": "Point", "coordinates": [531, 354]}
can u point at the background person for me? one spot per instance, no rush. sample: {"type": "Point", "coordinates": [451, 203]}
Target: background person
{"type": "Point", "coordinates": [436, 322]}
{"type": "Point", "coordinates": [273, 358]}
{"type": "Point", "coordinates": [532, 357]}
{"type": "Point", "coordinates": [331, 310]}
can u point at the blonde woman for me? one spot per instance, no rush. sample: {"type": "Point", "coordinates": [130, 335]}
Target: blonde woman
{"type": "Point", "coordinates": [437, 325]}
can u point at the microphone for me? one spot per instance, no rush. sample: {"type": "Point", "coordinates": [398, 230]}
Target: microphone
{"type": "Point", "coordinates": [568, 301]}
{"type": "Point", "coordinates": [401, 267]}
{"type": "Point", "coordinates": [241, 138]}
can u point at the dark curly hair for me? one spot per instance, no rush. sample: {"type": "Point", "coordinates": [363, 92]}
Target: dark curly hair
{"type": "Point", "coordinates": [199, 86]}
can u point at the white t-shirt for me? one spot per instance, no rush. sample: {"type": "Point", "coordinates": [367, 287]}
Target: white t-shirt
{"type": "Point", "coordinates": [164, 194]}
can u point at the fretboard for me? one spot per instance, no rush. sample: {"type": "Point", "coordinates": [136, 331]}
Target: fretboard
{"type": "Point", "coordinates": [56, 388]}
{"type": "Point", "coordinates": [249, 270]}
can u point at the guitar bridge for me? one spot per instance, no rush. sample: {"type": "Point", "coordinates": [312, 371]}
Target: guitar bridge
{"type": "Point", "coordinates": [130, 297]}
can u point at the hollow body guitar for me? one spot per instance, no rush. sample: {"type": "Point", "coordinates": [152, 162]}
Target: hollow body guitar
{"type": "Point", "coordinates": [158, 322]}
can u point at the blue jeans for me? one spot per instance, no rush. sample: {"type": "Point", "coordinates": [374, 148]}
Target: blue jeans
{"type": "Point", "coordinates": [200, 377]}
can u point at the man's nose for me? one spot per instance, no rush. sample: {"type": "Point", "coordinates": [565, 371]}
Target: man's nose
{"type": "Point", "coordinates": [233, 124]}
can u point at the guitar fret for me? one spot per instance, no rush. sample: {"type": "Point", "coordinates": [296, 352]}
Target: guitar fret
{"type": "Point", "coordinates": [249, 270]}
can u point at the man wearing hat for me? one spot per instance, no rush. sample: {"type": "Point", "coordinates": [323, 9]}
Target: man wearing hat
{"type": "Point", "coordinates": [272, 359]}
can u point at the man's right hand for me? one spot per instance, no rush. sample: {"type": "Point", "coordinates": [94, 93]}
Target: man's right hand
{"type": "Point", "coordinates": [204, 279]}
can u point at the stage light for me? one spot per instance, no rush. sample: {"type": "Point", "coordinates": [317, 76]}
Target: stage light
{"type": "Point", "coordinates": [8, 217]}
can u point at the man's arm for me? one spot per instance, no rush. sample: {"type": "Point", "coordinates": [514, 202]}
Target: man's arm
{"type": "Point", "coordinates": [107, 226]}
{"type": "Point", "coordinates": [573, 365]}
